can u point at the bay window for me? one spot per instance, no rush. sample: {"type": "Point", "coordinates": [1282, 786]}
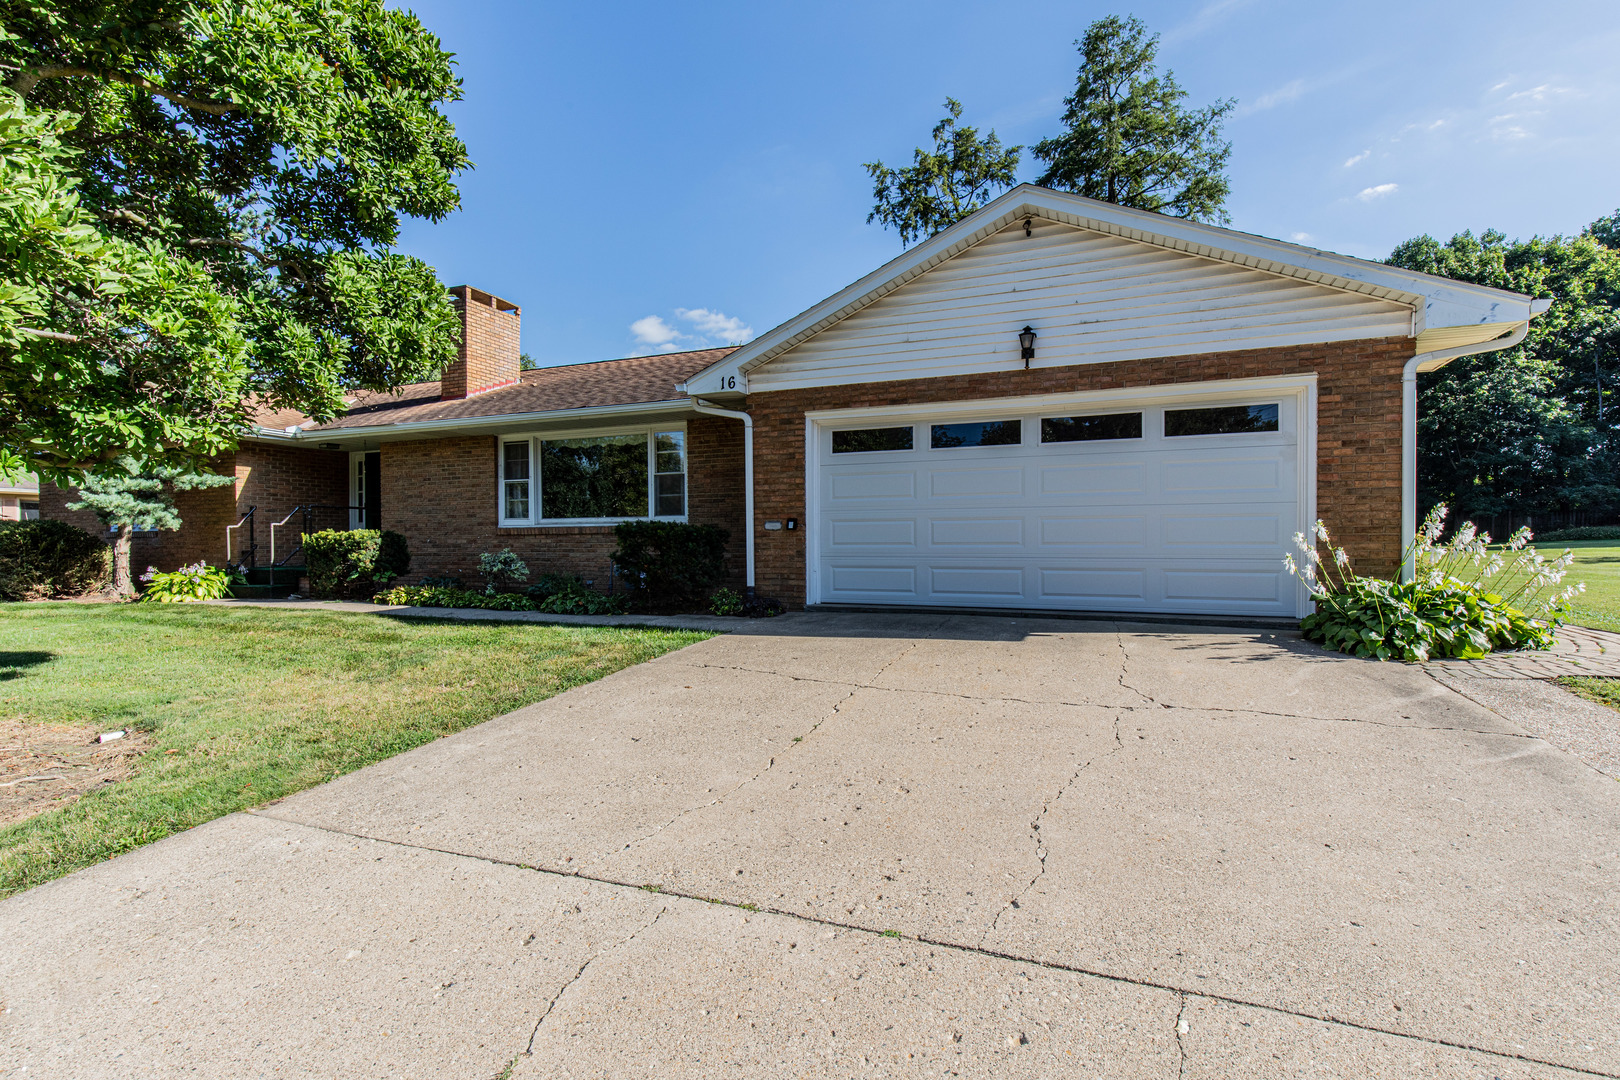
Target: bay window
{"type": "Point", "coordinates": [593, 478]}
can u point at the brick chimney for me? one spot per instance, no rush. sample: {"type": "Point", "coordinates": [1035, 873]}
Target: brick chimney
{"type": "Point", "coordinates": [489, 355]}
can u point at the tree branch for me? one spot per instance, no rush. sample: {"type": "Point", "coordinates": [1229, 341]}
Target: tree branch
{"type": "Point", "coordinates": [71, 339]}
{"type": "Point", "coordinates": [29, 78]}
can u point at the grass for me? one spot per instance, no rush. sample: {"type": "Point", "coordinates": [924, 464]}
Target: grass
{"type": "Point", "coordinates": [1602, 691]}
{"type": "Point", "coordinates": [1597, 562]}
{"type": "Point", "coordinates": [246, 705]}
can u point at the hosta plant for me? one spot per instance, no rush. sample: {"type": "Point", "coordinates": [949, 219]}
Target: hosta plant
{"type": "Point", "coordinates": [1466, 599]}
{"type": "Point", "coordinates": [198, 581]}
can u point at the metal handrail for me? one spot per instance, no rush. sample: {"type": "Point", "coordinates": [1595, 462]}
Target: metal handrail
{"type": "Point", "coordinates": [253, 546]}
{"type": "Point", "coordinates": [274, 525]}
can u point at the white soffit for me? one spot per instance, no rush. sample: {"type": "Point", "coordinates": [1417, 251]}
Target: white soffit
{"type": "Point", "coordinates": [1473, 313]}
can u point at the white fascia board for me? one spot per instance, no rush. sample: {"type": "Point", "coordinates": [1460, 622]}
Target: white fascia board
{"type": "Point", "coordinates": [470, 425]}
{"type": "Point", "coordinates": [1436, 302]}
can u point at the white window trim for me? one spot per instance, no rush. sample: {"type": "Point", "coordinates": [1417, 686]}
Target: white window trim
{"type": "Point", "coordinates": [533, 438]}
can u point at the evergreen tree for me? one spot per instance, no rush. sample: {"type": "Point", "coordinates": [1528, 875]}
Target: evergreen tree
{"type": "Point", "coordinates": [131, 496]}
{"type": "Point", "coordinates": [1130, 139]}
{"type": "Point", "coordinates": [941, 188]}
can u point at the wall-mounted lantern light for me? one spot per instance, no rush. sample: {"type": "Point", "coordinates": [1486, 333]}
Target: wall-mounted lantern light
{"type": "Point", "coordinates": [1026, 344]}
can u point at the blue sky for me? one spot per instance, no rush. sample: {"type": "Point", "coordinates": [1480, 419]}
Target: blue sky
{"type": "Point", "coordinates": [654, 176]}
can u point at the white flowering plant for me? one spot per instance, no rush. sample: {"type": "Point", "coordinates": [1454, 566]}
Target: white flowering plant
{"type": "Point", "coordinates": [1467, 598]}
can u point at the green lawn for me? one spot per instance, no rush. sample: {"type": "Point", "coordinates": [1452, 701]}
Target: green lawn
{"type": "Point", "coordinates": [256, 704]}
{"type": "Point", "coordinates": [1597, 562]}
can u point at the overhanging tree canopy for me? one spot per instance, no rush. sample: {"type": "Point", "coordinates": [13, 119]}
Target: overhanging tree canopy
{"type": "Point", "coordinates": [241, 171]}
{"type": "Point", "coordinates": [939, 189]}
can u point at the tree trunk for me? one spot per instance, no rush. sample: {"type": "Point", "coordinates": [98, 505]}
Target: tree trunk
{"type": "Point", "coordinates": [123, 585]}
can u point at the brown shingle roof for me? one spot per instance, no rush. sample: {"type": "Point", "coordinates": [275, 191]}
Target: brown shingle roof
{"type": "Point", "coordinates": [629, 381]}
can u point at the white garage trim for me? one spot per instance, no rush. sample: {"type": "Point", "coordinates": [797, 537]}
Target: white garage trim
{"type": "Point", "coordinates": [1299, 389]}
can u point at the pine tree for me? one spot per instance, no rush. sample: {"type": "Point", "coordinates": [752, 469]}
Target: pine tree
{"type": "Point", "coordinates": [134, 496]}
{"type": "Point", "coordinates": [941, 188]}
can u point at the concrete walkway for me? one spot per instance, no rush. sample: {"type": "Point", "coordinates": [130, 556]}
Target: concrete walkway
{"type": "Point", "coordinates": [848, 846]}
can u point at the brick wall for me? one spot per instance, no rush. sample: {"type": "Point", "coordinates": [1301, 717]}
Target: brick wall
{"type": "Point", "coordinates": [1358, 455]}
{"type": "Point", "coordinates": [441, 493]}
{"type": "Point", "coordinates": [275, 478]}
{"type": "Point", "coordinates": [490, 354]}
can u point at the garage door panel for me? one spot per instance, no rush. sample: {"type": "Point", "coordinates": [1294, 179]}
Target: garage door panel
{"type": "Point", "coordinates": [977, 582]}
{"type": "Point", "coordinates": [976, 532]}
{"type": "Point", "coordinates": [1230, 475]}
{"type": "Point", "coordinates": [1216, 532]}
{"type": "Point", "coordinates": [846, 533]}
{"type": "Point", "coordinates": [859, 485]}
{"type": "Point", "coordinates": [1240, 586]}
{"type": "Point", "coordinates": [882, 582]}
{"type": "Point", "coordinates": [1093, 585]}
{"type": "Point", "coordinates": [976, 482]}
{"type": "Point", "coordinates": [1093, 532]}
{"type": "Point", "coordinates": [1104, 478]}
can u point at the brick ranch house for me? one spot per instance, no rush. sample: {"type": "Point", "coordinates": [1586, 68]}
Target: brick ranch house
{"type": "Point", "coordinates": [1056, 403]}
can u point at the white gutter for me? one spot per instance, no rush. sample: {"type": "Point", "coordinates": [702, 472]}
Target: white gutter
{"type": "Point", "coordinates": [748, 478]}
{"type": "Point", "coordinates": [469, 423]}
{"type": "Point", "coordinates": [1433, 361]}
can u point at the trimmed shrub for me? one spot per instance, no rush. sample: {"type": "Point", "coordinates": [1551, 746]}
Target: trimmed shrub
{"type": "Point", "coordinates": [1581, 532]}
{"type": "Point", "coordinates": [199, 581]}
{"type": "Point", "coordinates": [571, 601]}
{"type": "Point", "coordinates": [502, 569]}
{"type": "Point", "coordinates": [725, 602]}
{"type": "Point", "coordinates": [44, 558]}
{"type": "Point", "coordinates": [353, 562]}
{"type": "Point", "coordinates": [670, 560]}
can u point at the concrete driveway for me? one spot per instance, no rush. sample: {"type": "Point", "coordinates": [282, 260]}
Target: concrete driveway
{"type": "Point", "coordinates": [863, 846]}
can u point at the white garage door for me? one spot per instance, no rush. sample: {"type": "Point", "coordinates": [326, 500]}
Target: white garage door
{"type": "Point", "coordinates": [1185, 505]}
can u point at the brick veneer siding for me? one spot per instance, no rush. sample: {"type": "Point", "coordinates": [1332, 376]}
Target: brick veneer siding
{"type": "Point", "coordinates": [442, 495]}
{"type": "Point", "coordinates": [490, 354]}
{"type": "Point", "coordinates": [273, 478]}
{"type": "Point", "coordinates": [1358, 437]}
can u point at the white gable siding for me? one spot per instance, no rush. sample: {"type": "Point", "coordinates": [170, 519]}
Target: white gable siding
{"type": "Point", "coordinates": [1091, 297]}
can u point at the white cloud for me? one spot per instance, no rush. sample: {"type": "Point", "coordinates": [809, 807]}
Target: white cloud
{"type": "Point", "coordinates": [1358, 159]}
{"type": "Point", "coordinates": [1377, 192]}
{"type": "Point", "coordinates": [1289, 91]}
{"type": "Point", "coordinates": [1206, 18]}
{"type": "Point", "coordinates": [716, 326]}
{"type": "Point", "coordinates": [653, 330]}
{"type": "Point", "coordinates": [1300, 237]}
{"type": "Point", "coordinates": [1535, 93]}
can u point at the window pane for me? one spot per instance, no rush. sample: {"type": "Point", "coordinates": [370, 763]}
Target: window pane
{"type": "Point", "coordinates": [671, 490]}
{"type": "Point", "coordinates": [1222, 420]}
{"type": "Point", "coordinates": [1089, 428]}
{"type": "Point", "coordinates": [869, 440]}
{"type": "Point", "coordinates": [603, 476]}
{"type": "Point", "coordinates": [517, 499]}
{"type": "Point", "coordinates": [517, 461]}
{"type": "Point", "coordinates": [988, 433]}
{"type": "Point", "coordinates": [671, 452]}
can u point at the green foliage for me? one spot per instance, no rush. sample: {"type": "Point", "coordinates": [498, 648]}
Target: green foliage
{"type": "Point", "coordinates": [572, 598]}
{"type": "Point", "coordinates": [1129, 138]}
{"type": "Point", "coordinates": [129, 494]}
{"type": "Point", "coordinates": [353, 562]}
{"type": "Point", "coordinates": [199, 203]}
{"type": "Point", "coordinates": [502, 569]}
{"type": "Point", "coordinates": [941, 188]}
{"type": "Point", "coordinates": [1535, 428]}
{"type": "Point", "coordinates": [198, 581]}
{"type": "Point", "coordinates": [1582, 532]}
{"type": "Point", "coordinates": [1465, 600]}
{"type": "Point", "coordinates": [48, 559]}
{"type": "Point", "coordinates": [667, 561]}
{"type": "Point", "coordinates": [726, 602]}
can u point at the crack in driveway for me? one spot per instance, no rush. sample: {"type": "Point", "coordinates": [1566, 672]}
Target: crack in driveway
{"type": "Point", "coordinates": [529, 1050]}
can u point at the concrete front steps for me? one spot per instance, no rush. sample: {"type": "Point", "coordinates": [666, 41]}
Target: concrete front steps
{"type": "Point", "coordinates": [269, 583]}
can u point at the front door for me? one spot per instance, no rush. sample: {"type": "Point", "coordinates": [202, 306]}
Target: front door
{"type": "Point", "coordinates": [365, 489]}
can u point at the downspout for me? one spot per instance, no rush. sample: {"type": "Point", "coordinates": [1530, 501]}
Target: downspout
{"type": "Point", "coordinates": [1439, 358]}
{"type": "Point", "coordinates": [748, 477]}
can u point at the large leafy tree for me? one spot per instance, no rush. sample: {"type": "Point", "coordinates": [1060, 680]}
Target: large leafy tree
{"type": "Point", "coordinates": [127, 495]}
{"type": "Point", "coordinates": [1129, 138]}
{"type": "Point", "coordinates": [940, 188]}
{"type": "Point", "coordinates": [1533, 429]}
{"type": "Point", "coordinates": [199, 203]}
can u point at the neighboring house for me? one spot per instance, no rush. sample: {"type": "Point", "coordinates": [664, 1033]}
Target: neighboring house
{"type": "Point", "coordinates": [1189, 398]}
{"type": "Point", "coordinates": [19, 498]}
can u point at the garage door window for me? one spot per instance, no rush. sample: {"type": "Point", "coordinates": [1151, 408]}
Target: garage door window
{"type": "Point", "coordinates": [871, 440]}
{"type": "Point", "coordinates": [1220, 420]}
{"type": "Point", "coordinates": [985, 433]}
{"type": "Point", "coordinates": [1060, 429]}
